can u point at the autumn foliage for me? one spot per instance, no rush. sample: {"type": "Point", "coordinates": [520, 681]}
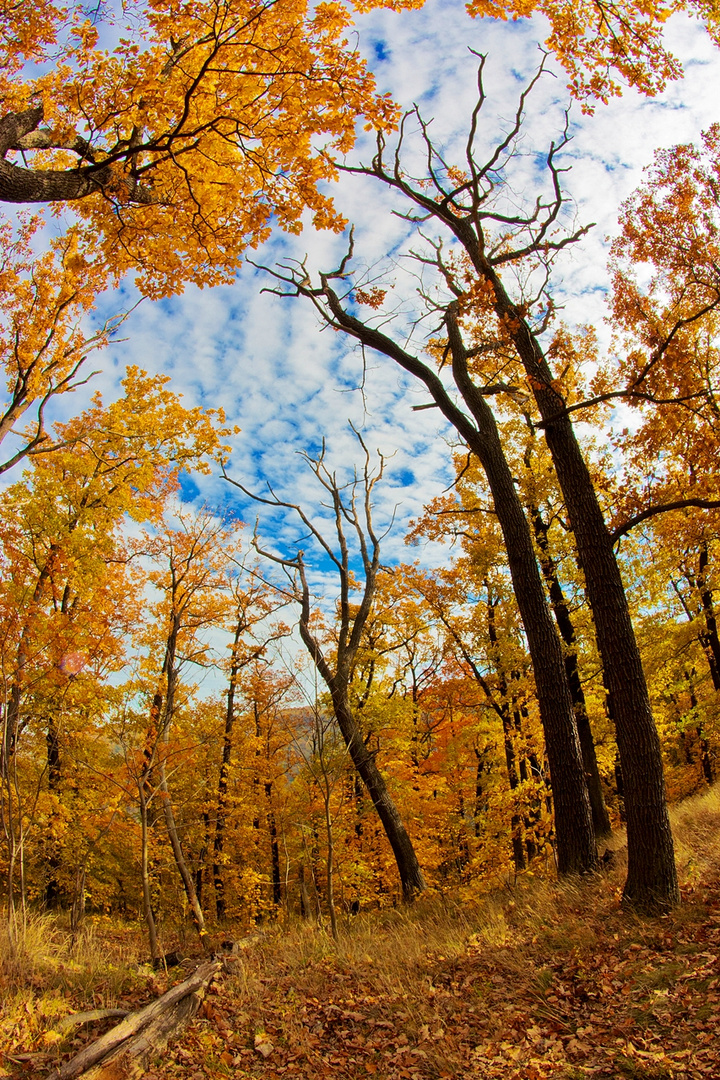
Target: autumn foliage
{"type": "Point", "coordinates": [197, 739]}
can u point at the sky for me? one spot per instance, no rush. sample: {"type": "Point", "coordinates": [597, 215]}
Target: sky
{"type": "Point", "coordinates": [287, 384]}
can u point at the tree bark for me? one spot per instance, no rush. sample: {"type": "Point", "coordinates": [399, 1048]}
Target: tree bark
{"type": "Point", "coordinates": [19, 131]}
{"type": "Point", "coordinates": [601, 819]}
{"type": "Point", "coordinates": [652, 877]}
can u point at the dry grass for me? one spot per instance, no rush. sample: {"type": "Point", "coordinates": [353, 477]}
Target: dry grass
{"type": "Point", "coordinates": [696, 828]}
{"type": "Point", "coordinates": [37, 950]}
{"type": "Point", "coordinates": [405, 970]}
{"type": "Point", "coordinates": [46, 973]}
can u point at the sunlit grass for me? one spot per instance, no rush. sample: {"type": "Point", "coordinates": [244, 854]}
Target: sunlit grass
{"type": "Point", "coordinates": [46, 972]}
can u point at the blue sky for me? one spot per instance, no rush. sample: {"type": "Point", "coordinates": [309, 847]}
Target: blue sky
{"type": "Point", "coordinates": [286, 383]}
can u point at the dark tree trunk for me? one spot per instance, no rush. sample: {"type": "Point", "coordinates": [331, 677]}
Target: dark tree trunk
{"type": "Point", "coordinates": [706, 758]}
{"type": "Point", "coordinates": [411, 876]}
{"type": "Point", "coordinates": [274, 848]}
{"type": "Point", "coordinates": [509, 729]}
{"type": "Point", "coordinates": [482, 758]}
{"type": "Point", "coordinates": [52, 892]}
{"type": "Point", "coordinates": [19, 131]}
{"type": "Point", "coordinates": [652, 877]}
{"type": "Point", "coordinates": [573, 820]}
{"type": "Point", "coordinates": [709, 637]}
{"type": "Point", "coordinates": [601, 820]}
{"type": "Point", "coordinates": [220, 816]}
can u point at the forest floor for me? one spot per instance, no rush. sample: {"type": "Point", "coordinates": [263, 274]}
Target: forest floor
{"type": "Point", "coordinates": [537, 980]}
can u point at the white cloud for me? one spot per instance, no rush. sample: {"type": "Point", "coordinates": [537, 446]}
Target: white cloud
{"type": "Point", "coordinates": [287, 384]}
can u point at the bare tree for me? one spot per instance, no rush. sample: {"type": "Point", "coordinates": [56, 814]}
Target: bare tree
{"type": "Point", "coordinates": [489, 233]}
{"type": "Point", "coordinates": [575, 837]}
{"type": "Point", "coordinates": [352, 514]}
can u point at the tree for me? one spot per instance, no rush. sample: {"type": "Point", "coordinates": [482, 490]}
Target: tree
{"type": "Point", "coordinates": [179, 144]}
{"type": "Point", "coordinates": [596, 44]}
{"type": "Point", "coordinates": [42, 345]}
{"type": "Point", "coordinates": [503, 334]}
{"type": "Point", "coordinates": [575, 837]}
{"type": "Point", "coordinates": [337, 672]}
{"type": "Point", "coordinates": [191, 581]}
{"type": "Point", "coordinates": [63, 605]}
{"type": "Point", "coordinates": [253, 605]}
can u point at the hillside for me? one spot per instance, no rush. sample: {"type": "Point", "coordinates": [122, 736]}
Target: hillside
{"type": "Point", "coordinates": [539, 980]}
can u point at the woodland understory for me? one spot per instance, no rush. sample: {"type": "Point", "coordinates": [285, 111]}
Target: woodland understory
{"type": "Point", "coordinates": [434, 803]}
{"type": "Point", "coordinates": [535, 980]}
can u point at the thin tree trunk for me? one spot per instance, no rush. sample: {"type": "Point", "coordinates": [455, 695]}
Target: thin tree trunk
{"type": "Point", "coordinates": [274, 847]}
{"type": "Point", "coordinates": [53, 859]}
{"type": "Point", "coordinates": [709, 637]}
{"type": "Point", "coordinates": [220, 816]}
{"type": "Point", "coordinates": [330, 866]}
{"type": "Point", "coordinates": [411, 876]}
{"type": "Point", "coordinates": [168, 813]}
{"type": "Point", "coordinates": [174, 837]}
{"type": "Point", "coordinates": [155, 951]}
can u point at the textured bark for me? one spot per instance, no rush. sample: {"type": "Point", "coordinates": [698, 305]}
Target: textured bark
{"type": "Point", "coordinates": [19, 131]}
{"type": "Point", "coordinates": [601, 820]}
{"type": "Point", "coordinates": [652, 878]}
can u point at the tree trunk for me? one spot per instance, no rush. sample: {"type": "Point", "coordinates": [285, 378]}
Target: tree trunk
{"type": "Point", "coordinates": [128, 1049]}
{"type": "Point", "coordinates": [155, 951]}
{"type": "Point", "coordinates": [652, 877]}
{"type": "Point", "coordinates": [220, 816]}
{"type": "Point", "coordinates": [601, 820]}
{"type": "Point", "coordinates": [274, 847]}
{"type": "Point", "coordinates": [573, 820]}
{"type": "Point", "coordinates": [709, 637]}
{"type": "Point", "coordinates": [180, 862]}
{"type": "Point", "coordinates": [53, 860]}
{"type": "Point", "coordinates": [186, 877]}
{"type": "Point", "coordinates": [411, 876]}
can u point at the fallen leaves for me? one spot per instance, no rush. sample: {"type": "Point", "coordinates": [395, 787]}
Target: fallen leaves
{"type": "Point", "coordinates": [590, 992]}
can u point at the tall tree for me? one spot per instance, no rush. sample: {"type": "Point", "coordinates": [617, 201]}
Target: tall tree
{"type": "Point", "coordinates": [336, 670]}
{"type": "Point", "coordinates": [575, 836]}
{"type": "Point", "coordinates": [503, 337]}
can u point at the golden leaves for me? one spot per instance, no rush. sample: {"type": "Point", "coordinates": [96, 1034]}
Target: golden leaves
{"type": "Point", "coordinates": [600, 44]}
{"type": "Point", "coordinates": [373, 297]}
{"type": "Point", "coordinates": [209, 141]}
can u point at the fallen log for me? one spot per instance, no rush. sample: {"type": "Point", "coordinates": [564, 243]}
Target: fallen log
{"type": "Point", "coordinates": [67, 1023]}
{"type": "Point", "coordinates": [126, 1050]}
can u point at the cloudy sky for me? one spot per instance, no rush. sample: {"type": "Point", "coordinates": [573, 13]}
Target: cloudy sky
{"type": "Point", "coordinates": [286, 383]}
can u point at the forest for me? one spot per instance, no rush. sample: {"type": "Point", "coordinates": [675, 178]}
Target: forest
{"type": "Point", "coordinates": [276, 752]}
